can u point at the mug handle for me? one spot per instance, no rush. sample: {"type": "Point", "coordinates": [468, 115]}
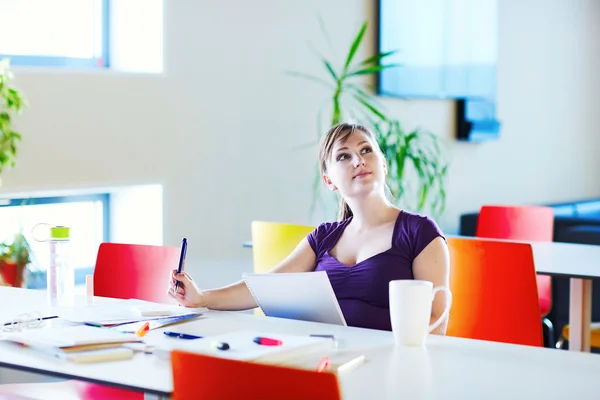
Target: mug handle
{"type": "Point", "coordinates": [448, 306]}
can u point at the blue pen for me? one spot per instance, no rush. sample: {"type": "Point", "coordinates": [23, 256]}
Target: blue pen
{"type": "Point", "coordinates": [181, 335]}
{"type": "Point", "coordinates": [181, 259]}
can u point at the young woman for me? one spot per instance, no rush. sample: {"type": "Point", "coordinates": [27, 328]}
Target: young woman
{"type": "Point", "coordinates": [372, 243]}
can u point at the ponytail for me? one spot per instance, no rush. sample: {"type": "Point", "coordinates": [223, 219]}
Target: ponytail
{"type": "Point", "coordinates": [344, 211]}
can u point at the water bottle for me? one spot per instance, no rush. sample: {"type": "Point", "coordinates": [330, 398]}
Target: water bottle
{"type": "Point", "coordinates": [60, 273]}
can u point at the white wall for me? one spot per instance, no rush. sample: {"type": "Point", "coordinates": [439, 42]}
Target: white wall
{"type": "Point", "coordinates": [218, 127]}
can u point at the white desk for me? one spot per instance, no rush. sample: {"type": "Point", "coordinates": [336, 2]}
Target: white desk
{"type": "Point", "coordinates": [449, 368]}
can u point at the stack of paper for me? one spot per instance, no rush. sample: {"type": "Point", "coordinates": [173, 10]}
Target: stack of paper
{"type": "Point", "coordinates": [125, 312]}
{"type": "Point", "coordinates": [76, 343]}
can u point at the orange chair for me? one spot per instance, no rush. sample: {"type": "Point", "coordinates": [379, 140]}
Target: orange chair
{"type": "Point", "coordinates": [494, 292]}
{"type": "Point", "coordinates": [122, 271]}
{"type": "Point", "coordinates": [525, 223]}
{"type": "Point", "coordinates": [232, 379]}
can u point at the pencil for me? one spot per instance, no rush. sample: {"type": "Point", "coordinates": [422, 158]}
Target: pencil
{"type": "Point", "coordinates": [30, 320]}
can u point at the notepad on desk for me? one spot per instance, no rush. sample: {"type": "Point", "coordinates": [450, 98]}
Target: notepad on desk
{"type": "Point", "coordinates": [242, 346]}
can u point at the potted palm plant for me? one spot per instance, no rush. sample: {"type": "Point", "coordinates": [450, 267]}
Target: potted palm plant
{"type": "Point", "coordinates": [15, 256]}
{"type": "Point", "coordinates": [417, 159]}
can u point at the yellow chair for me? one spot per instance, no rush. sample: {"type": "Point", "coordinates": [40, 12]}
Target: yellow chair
{"type": "Point", "coordinates": [594, 335]}
{"type": "Point", "coordinates": [272, 242]}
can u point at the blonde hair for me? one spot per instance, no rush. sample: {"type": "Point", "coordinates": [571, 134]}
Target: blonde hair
{"type": "Point", "coordinates": [340, 133]}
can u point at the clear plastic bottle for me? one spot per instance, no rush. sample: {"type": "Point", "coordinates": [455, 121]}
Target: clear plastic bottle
{"type": "Point", "coordinates": [60, 274]}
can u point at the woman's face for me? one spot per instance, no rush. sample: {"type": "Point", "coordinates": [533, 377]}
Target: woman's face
{"type": "Point", "coordinates": [356, 167]}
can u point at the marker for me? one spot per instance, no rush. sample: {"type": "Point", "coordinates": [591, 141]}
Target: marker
{"type": "Point", "coordinates": [323, 364]}
{"type": "Point", "coordinates": [181, 335]}
{"type": "Point", "coordinates": [143, 329]}
{"type": "Point", "coordinates": [267, 341]}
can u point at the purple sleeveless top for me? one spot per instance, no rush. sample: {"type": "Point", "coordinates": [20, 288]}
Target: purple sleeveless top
{"type": "Point", "coordinates": [362, 289]}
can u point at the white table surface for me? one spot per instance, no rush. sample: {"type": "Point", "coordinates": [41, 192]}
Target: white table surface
{"type": "Point", "coordinates": [448, 368]}
{"type": "Point", "coordinates": [567, 259]}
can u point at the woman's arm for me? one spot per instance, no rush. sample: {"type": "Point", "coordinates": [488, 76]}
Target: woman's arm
{"type": "Point", "coordinates": [237, 296]}
{"type": "Point", "coordinates": [433, 264]}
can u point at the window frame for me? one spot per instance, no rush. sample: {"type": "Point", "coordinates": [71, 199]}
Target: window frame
{"type": "Point", "coordinates": [104, 198]}
{"type": "Point", "coordinates": [56, 61]}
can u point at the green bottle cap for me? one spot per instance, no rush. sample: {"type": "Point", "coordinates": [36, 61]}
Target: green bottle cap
{"type": "Point", "coordinates": [59, 232]}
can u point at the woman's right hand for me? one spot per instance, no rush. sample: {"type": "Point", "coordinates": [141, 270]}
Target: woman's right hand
{"type": "Point", "coordinates": [187, 293]}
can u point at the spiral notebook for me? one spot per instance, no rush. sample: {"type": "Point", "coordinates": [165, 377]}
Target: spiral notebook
{"type": "Point", "coordinates": [306, 296]}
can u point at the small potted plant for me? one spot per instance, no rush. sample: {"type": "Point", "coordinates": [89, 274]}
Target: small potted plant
{"type": "Point", "coordinates": [15, 255]}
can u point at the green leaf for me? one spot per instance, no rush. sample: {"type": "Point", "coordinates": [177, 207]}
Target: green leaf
{"type": "Point", "coordinates": [337, 113]}
{"type": "Point", "coordinates": [323, 28]}
{"type": "Point", "coordinates": [310, 78]}
{"type": "Point", "coordinates": [330, 69]}
{"type": "Point", "coordinates": [355, 45]}
{"type": "Point", "coordinates": [372, 100]}
{"type": "Point", "coordinates": [370, 107]}
{"type": "Point", "coordinates": [372, 70]}
{"type": "Point", "coordinates": [377, 57]}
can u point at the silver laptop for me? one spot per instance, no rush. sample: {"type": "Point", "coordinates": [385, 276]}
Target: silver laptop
{"type": "Point", "coordinates": [306, 296]}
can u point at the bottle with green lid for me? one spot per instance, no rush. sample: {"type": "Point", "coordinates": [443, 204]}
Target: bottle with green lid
{"type": "Point", "coordinates": [60, 274]}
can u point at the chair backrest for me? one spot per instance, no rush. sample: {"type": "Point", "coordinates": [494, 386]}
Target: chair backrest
{"type": "Point", "coordinates": [198, 376]}
{"type": "Point", "coordinates": [529, 223]}
{"type": "Point", "coordinates": [126, 271]}
{"type": "Point", "coordinates": [272, 242]}
{"type": "Point", "coordinates": [494, 293]}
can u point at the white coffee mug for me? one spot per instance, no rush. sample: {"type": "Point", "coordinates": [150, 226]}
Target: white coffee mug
{"type": "Point", "coordinates": [410, 310]}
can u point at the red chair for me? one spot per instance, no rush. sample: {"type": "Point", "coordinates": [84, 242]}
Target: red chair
{"type": "Point", "coordinates": [197, 376]}
{"type": "Point", "coordinates": [526, 223]}
{"type": "Point", "coordinates": [494, 293]}
{"type": "Point", "coordinates": [125, 271]}
{"type": "Point", "coordinates": [122, 271]}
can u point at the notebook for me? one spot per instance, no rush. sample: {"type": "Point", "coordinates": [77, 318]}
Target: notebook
{"type": "Point", "coordinates": [90, 356]}
{"type": "Point", "coordinates": [242, 346]}
{"type": "Point", "coordinates": [306, 296]}
{"type": "Point", "coordinates": [70, 337]}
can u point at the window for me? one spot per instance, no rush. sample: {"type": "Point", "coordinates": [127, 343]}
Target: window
{"type": "Point", "coordinates": [86, 215]}
{"type": "Point", "coordinates": [55, 33]}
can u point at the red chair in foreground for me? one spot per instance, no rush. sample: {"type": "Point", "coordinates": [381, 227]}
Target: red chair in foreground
{"type": "Point", "coordinates": [197, 376]}
{"type": "Point", "coordinates": [122, 271]}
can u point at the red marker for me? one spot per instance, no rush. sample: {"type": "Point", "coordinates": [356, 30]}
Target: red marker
{"type": "Point", "coordinates": [267, 341]}
{"type": "Point", "coordinates": [323, 364]}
